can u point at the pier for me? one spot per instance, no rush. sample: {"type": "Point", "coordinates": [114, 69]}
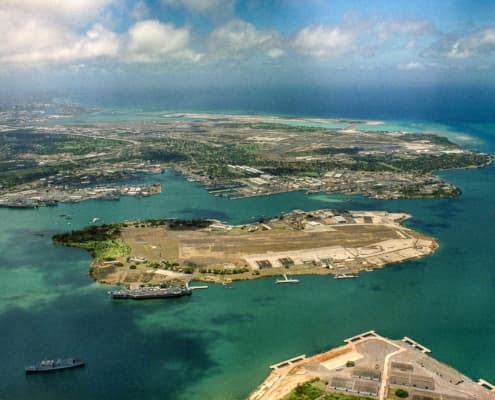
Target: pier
{"type": "Point", "coordinates": [487, 385]}
{"type": "Point", "coordinates": [362, 336]}
{"type": "Point", "coordinates": [416, 345]}
{"type": "Point", "coordinates": [288, 362]}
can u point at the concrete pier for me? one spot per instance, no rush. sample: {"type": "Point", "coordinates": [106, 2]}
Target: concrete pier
{"type": "Point", "coordinates": [487, 385]}
{"type": "Point", "coordinates": [362, 336]}
{"type": "Point", "coordinates": [416, 345]}
{"type": "Point", "coordinates": [288, 362]}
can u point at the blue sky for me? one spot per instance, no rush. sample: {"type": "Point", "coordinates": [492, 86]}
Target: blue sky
{"type": "Point", "coordinates": [203, 42]}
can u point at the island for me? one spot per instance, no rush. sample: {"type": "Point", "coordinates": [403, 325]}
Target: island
{"type": "Point", "coordinates": [338, 242]}
{"type": "Point", "coordinates": [52, 158]}
{"type": "Point", "coordinates": [370, 366]}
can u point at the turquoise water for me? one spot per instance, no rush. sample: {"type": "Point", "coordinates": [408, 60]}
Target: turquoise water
{"type": "Point", "coordinates": [218, 343]}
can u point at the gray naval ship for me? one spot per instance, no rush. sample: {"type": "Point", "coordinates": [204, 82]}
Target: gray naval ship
{"type": "Point", "coordinates": [53, 365]}
{"type": "Point", "coordinates": [152, 292]}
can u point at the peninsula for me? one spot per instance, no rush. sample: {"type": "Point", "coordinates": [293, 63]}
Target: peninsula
{"type": "Point", "coordinates": [370, 366]}
{"type": "Point", "coordinates": [341, 243]}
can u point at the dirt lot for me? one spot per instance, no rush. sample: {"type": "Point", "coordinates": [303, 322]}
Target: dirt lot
{"type": "Point", "coordinates": [205, 248]}
{"type": "Point", "coordinates": [295, 243]}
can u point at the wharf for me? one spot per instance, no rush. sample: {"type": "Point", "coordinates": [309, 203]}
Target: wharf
{"type": "Point", "coordinates": [373, 366]}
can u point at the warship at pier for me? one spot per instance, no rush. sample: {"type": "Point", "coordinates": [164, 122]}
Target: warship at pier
{"type": "Point", "coordinates": [151, 292]}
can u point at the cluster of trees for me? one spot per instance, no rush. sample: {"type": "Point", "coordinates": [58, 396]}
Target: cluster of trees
{"type": "Point", "coordinates": [172, 223]}
{"type": "Point", "coordinates": [162, 155]}
{"type": "Point", "coordinates": [401, 393]}
{"type": "Point", "coordinates": [184, 224]}
{"type": "Point", "coordinates": [101, 241]}
{"type": "Point", "coordinates": [90, 233]}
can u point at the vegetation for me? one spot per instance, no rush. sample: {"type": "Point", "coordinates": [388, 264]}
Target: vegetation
{"type": "Point", "coordinates": [104, 244]}
{"type": "Point", "coordinates": [402, 393]}
{"type": "Point", "coordinates": [101, 241]}
{"type": "Point", "coordinates": [162, 155]}
{"type": "Point", "coordinates": [315, 390]}
{"type": "Point", "coordinates": [78, 145]}
{"type": "Point", "coordinates": [212, 157]}
{"type": "Point", "coordinates": [179, 224]}
{"type": "Point", "coordinates": [23, 174]}
{"type": "Point", "coordinates": [174, 223]}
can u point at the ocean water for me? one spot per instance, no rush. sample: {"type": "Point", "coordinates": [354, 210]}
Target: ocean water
{"type": "Point", "coordinates": [218, 343]}
{"type": "Point", "coordinates": [432, 103]}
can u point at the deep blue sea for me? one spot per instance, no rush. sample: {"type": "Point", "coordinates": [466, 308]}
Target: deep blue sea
{"type": "Point", "coordinates": [218, 343]}
{"type": "Point", "coordinates": [444, 104]}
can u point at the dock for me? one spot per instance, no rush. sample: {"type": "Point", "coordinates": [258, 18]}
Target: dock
{"type": "Point", "coordinates": [198, 287]}
{"type": "Point", "coordinates": [286, 280]}
{"type": "Point", "coordinates": [362, 336]}
{"type": "Point", "coordinates": [288, 362]}
{"type": "Point", "coordinates": [416, 345]}
{"type": "Point", "coordinates": [487, 385]}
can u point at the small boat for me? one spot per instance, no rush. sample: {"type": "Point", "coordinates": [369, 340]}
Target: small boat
{"type": "Point", "coordinates": [95, 219]}
{"type": "Point", "coordinates": [345, 276]}
{"type": "Point", "coordinates": [287, 280]}
{"type": "Point", "coordinates": [198, 287]}
{"type": "Point", "coordinates": [54, 365]}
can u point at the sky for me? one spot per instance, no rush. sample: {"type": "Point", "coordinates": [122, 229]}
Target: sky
{"type": "Point", "coordinates": [158, 43]}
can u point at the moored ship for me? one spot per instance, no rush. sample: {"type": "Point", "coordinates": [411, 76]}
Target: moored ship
{"type": "Point", "coordinates": [54, 365]}
{"type": "Point", "coordinates": [345, 276]}
{"type": "Point", "coordinates": [159, 292]}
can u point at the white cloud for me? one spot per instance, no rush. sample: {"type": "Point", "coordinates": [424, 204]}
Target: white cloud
{"type": "Point", "coordinates": [46, 31]}
{"type": "Point", "coordinates": [419, 66]}
{"type": "Point", "coordinates": [39, 32]}
{"type": "Point", "coordinates": [151, 41]}
{"type": "Point", "coordinates": [459, 47]}
{"type": "Point", "coordinates": [67, 11]}
{"type": "Point", "coordinates": [410, 28]}
{"type": "Point", "coordinates": [239, 35]}
{"type": "Point", "coordinates": [36, 31]}
{"type": "Point", "coordinates": [324, 41]}
{"type": "Point", "coordinates": [275, 53]}
{"type": "Point", "coordinates": [411, 66]}
{"type": "Point", "coordinates": [238, 38]}
{"type": "Point", "coordinates": [474, 44]}
{"type": "Point", "coordinates": [97, 42]}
